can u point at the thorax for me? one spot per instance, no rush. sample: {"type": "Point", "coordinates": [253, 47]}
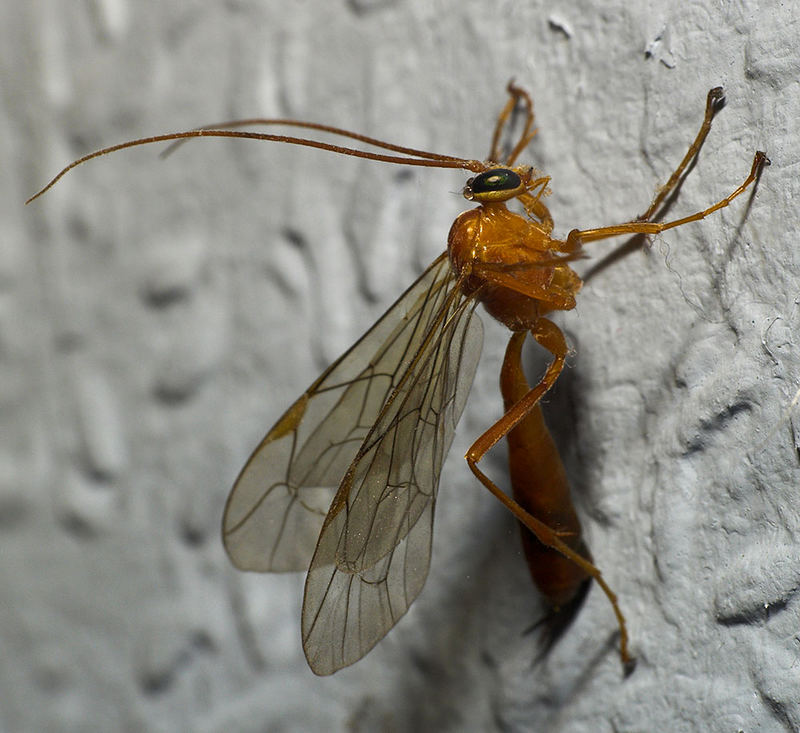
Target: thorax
{"type": "Point", "coordinates": [508, 263]}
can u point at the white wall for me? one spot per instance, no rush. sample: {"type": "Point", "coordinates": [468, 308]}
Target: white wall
{"type": "Point", "coordinates": [157, 316]}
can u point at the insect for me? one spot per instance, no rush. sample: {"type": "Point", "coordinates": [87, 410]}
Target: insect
{"type": "Point", "coordinates": [344, 484]}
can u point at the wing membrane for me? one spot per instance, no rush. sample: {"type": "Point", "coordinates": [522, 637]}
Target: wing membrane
{"type": "Point", "coordinates": [374, 549]}
{"type": "Point", "coordinates": [278, 503]}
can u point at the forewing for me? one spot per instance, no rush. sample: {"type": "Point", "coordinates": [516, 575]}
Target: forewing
{"type": "Point", "coordinates": [278, 503]}
{"type": "Point", "coordinates": [374, 550]}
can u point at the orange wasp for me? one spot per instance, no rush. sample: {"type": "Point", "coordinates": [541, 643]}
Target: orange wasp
{"type": "Point", "coordinates": [345, 482]}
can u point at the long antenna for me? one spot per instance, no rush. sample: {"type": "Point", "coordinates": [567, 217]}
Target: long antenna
{"type": "Point", "coordinates": [429, 162]}
{"type": "Point", "coordinates": [253, 121]}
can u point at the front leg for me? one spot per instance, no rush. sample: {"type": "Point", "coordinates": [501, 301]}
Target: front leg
{"type": "Point", "coordinates": [533, 204]}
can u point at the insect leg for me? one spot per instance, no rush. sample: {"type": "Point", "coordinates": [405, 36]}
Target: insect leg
{"type": "Point", "coordinates": [714, 103]}
{"type": "Point", "coordinates": [534, 205]}
{"type": "Point", "coordinates": [528, 133]}
{"type": "Point", "coordinates": [550, 337]}
{"type": "Point", "coordinates": [515, 94]}
{"type": "Point", "coordinates": [539, 484]}
{"type": "Point", "coordinates": [578, 237]}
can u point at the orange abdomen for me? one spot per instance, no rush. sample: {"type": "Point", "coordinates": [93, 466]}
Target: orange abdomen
{"type": "Point", "coordinates": [539, 484]}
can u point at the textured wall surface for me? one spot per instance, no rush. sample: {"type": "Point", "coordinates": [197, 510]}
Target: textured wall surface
{"type": "Point", "coordinates": [157, 316]}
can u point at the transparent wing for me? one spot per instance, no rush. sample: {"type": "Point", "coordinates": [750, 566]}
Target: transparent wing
{"type": "Point", "coordinates": [276, 508]}
{"type": "Point", "coordinates": [374, 549]}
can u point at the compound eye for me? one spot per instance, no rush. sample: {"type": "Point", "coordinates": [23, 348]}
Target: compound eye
{"type": "Point", "coordinates": [498, 179]}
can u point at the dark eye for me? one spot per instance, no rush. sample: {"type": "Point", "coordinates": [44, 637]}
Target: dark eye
{"type": "Point", "coordinates": [499, 179]}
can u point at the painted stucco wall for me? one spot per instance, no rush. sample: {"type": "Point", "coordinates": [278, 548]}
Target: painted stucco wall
{"type": "Point", "coordinates": [157, 316]}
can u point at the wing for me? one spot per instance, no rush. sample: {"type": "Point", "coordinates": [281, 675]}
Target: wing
{"type": "Point", "coordinates": [278, 503]}
{"type": "Point", "coordinates": [374, 549]}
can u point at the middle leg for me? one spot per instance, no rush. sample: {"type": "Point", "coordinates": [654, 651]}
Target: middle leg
{"type": "Point", "coordinates": [577, 237]}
